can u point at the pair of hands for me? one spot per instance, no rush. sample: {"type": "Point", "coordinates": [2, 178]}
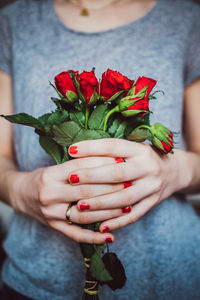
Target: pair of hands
{"type": "Point", "coordinates": [106, 188]}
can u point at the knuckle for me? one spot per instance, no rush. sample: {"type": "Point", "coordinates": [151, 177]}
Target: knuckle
{"type": "Point", "coordinates": [128, 199]}
{"type": "Point", "coordinates": [84, 192]}
{"type": "Point", "coordinates": [157, 185]}
{"type": "Point", "coordinates": [43, 196]}
{"type": "Point", "coordinates": [83, 218]}
{"type": "Point", "coordinates": [118, 174]}
{"type": "Point", "coordinates": [44, 176]}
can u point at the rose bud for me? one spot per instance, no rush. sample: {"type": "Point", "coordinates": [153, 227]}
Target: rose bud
{"type": "Point", "coordinates": [162, 138]}
{"type": "Point", "coordinates": [89, 86]}
{"type": "Point", "coordinates": [66, 86]}
{"type": "Point", "coordinates": [113, 84]}
{"type": "Point", "coordinates": [137, 100]}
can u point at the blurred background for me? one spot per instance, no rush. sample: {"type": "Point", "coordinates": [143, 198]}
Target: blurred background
{"type": "Point", "coordinates": [6, 212]}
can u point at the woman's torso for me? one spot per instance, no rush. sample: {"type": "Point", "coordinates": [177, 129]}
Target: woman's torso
{"type": "Point", "coordinates": [160, 251]}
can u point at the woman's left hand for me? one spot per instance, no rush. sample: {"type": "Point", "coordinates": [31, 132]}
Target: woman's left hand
{"type": "Point", "coordinates": [147, 176]}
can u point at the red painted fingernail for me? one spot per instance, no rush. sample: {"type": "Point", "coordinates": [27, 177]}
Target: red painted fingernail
{"type": "Point", "coordinates": [119, 160]}
{"type": "Point", "coordinates": [105, 229]}
{"type": "Point", "coordinates": [84, 206]}
{"type": "Point", "coordinates": [127, 184]}
{"type": "Point", "coordinates": [108, 240]}
{"type": "Point", "coordinates": [126, 209]}
{"type": "Point", "coordinates": [74, 178]}
{"type": "Point", "coordinates": [73, 150]}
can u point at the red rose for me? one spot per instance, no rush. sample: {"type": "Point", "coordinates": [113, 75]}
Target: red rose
{"type": "Point", "coordinates": [89, 86]}
{"type": "Point", "coordinates": [141, 94]}
{"type": "Point", "coordinates": [113, 82]}
{"type": "Point", "coordinates": [65, 85]}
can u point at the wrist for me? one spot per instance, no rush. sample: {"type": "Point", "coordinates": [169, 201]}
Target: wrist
{"type": "Point", "coordinates": [187, 165]}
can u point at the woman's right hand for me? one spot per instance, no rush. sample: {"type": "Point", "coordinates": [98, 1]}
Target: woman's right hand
{"type": "Point", "coordinates": [45, 194]}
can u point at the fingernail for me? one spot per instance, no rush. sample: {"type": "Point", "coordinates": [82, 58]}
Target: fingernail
{"type": "Point", "coordinates": [119, 160]}
{"type": "Point", "coordinates": [127, 184]}
{"type": "Point", "coordinates": [126, 209]}
{"type": "Point", "coordinates": [109, 240]}
{"type": "Point", "coordinates": [74, 178]}
{"type": "Point", "coordinates": [105, 229]}
{"type": "Point", "coordinates": [73, 150]}
{"type": "Point", "coordinates": [84, 206]}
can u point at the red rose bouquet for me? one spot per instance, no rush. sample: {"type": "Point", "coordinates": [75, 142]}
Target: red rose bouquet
{"type": "Point", "coordinates": [87, 109]}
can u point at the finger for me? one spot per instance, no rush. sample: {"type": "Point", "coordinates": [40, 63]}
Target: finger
{"type": "Point", "coordinates": [112, 173]}
{"type": "Point", "coordinates": [138, 211]}
{"type": "Point", "coordinates": [65, 193]}
{"type": "Point", "coordinates": [62, 171]}
{"type": "Point", "coordinates": [106, 147]}
{"type": "Point", "coordinates": [58, 212]}
{"type": "Point", "coordinates": [81, 235]}
{"type": "Point", "coordinates": [140, 189]}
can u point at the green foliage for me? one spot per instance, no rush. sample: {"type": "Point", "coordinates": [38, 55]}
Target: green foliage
{"type": "Point", "coordinates": [89, 134]}
{"type": "Point", "coordinates": [57, 117]}
{"type": "Point", "coordinates": [139, 135]}
{"type": "Point", "coordinates": [78, 117]}
{"type": "Point", "coordinates": [64, 133]}
{"type": "Point", "coordinates": [98, 270]}
{"type": "Point", "coordinates": [96, 120]}
{"type": "Point", "coordinates": [24, 119]}
{"type": "Point", "coordinates": [52, 148]}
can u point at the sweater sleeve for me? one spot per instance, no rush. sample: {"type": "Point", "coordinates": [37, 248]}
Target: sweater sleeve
{"type": "Point", "coordinates": [192, 58]}
{"type": "Point", "coordinates": [5, 45]}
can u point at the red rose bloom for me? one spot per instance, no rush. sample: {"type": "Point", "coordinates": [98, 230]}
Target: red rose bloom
{"type": "Point", "coordinates": [166, 147]}
{"type": "Point", "coordinates": [142, 105]}
{"type": "Point", "coordinates": [141, 83]}
{"type": "Point", "coordinates": [162, 138]}
{"type": "Point", "coordinates": [64, 83]}
{"type": "Point", "coordinates": [113, 82]}
{"type": "Point", "coordinates": [88, 85]}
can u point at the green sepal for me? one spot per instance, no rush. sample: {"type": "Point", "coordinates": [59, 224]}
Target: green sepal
{"type": "Point", "coordinates": [94, 98]}
{"type": "Point", "coordinates": [64, 133]}
{"type": "Point", "coordinates": [24, 119]}
{"type": "Point", "coordinates": [130, 113]}
{"type": "Point", "coordinates": [59, 94]}
{"type": "Point", "coordinates": [57, 102]}
{"type": "Point", "coordinates": [132, 90]}
{"type": "Point", "coordinates": [125, 104]}
{"type": "Point", "coordinates": [52, 148]}
{"type": "Point", "coordinates": [98, 269]}
{"type": "Point", "coordinates": [71, 96]}
{"type": "Point", "coordinates": [77, 85]}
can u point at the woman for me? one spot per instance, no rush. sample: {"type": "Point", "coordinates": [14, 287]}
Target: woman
{"type": "Point", "coordinates": [160, 247]}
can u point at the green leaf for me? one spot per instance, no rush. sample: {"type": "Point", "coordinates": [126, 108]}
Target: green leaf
{"type": "Point", "coordinates": [71, 96]}
{"type": "Point", "coordinates": [52, 148]}
{"type": "Point", "coordinates": [139, 135]}
{"type": "Point", "coordinates": [57, 117]}
{"type": "Point", "coordinates": [64, 133]}
{"type": "Point", "coordinates": [90, 134]}
{"type": "Point", "coordinates": [98, 270]}
{"type": "Point", "coordinates": [99, 249]}
{"type": "Point", "coordinates": [121, 130]}
{"type": "Point", "coordinates": [44, 118]}
{"type": "Point", "coordinates": [66, 155]}
{"type": "Point", "coordinates": [78, 117]}
{"type": "Point", "coordinates": [24, 119]}
{"type": "Point", "coordinates": [97, 117]}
